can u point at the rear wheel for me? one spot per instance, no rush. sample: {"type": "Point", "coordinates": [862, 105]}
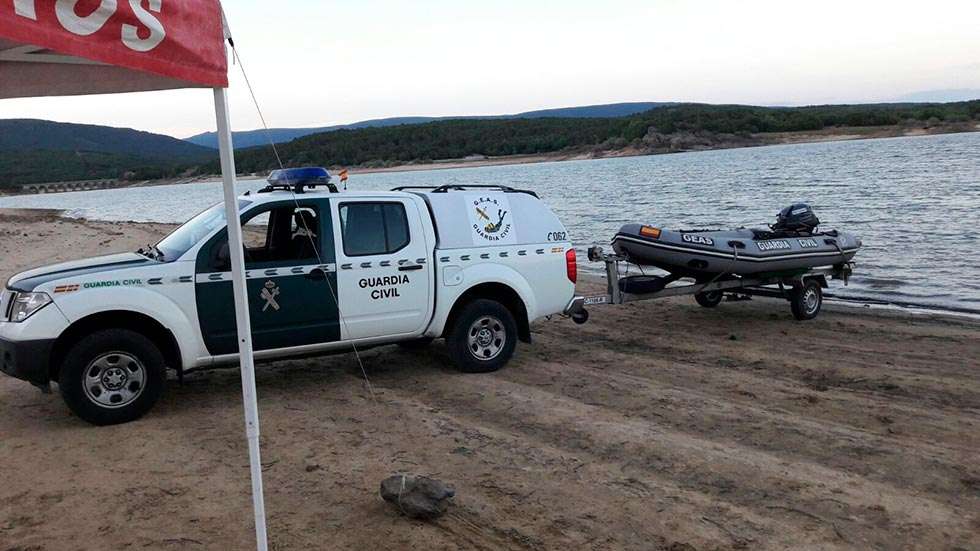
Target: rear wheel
{"type": "Point", "coordinates": [483, 337]}
{"type": "Point", "coordinates": [805, 300]}
{"type": "Point", "coordinates": [709, 299]}
{"type": "Point", "coordinates": [112, 376]}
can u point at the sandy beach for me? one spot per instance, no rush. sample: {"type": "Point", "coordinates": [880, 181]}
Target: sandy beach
{"type": "Point", "coordinates": [657, 425]}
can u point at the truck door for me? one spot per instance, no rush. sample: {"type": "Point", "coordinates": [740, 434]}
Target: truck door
{"type": "Point", "coordinates": [289, 262]}
{"type": "Point", "coordinates": [384, 269]}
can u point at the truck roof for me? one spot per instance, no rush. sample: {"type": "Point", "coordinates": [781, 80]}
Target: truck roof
{"type": "Point", "coordinates": [463, 216]}
{"type": "Point", "coordinates": [279, 194]}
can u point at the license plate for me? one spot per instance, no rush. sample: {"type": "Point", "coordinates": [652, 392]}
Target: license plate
{"type": "Point", "coordinates": [592, 301]}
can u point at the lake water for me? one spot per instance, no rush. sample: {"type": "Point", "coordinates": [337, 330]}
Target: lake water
{"type": "Point", "coordinates": [913, 201]}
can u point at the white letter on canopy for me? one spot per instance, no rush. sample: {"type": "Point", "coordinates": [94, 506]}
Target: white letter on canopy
{"type": "Point", "coordinates": [25, 8]}
{"type": "Point", "coordinates": [84, 26]}
{"type": "Point", "coordinates": [157, 33]}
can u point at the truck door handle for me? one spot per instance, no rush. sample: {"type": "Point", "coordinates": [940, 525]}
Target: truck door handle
{"type": "Point", "coordinates": [409, 268]}
{"type": "Point", "coordinates": [316, 274]}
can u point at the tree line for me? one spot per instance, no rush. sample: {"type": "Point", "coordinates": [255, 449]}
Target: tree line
{"type": "Point", "coordinates": [453, 139]}
{"type": "Point", "coordinates": [19, 168]}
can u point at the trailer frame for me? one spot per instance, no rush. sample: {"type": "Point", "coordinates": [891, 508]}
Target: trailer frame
{"type": "Point", "coordinates": [803, 290]}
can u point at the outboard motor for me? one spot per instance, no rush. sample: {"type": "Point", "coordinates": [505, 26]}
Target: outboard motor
{"type": "Point", "coordinates": [798, 218]}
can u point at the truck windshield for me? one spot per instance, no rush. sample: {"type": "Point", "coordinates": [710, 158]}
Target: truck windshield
{"type": "Point", "coordinates": [194, 230]}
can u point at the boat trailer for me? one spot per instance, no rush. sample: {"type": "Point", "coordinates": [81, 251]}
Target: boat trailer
{"type": "Point", "coordinates": [804, 291]}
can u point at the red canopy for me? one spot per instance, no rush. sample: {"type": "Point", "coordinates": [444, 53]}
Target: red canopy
{"type": "Point", "coordinates": [70, 47]}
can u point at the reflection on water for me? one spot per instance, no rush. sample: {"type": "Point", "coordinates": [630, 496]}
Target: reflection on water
{"type": "Point", "coordinates": [913, 201]}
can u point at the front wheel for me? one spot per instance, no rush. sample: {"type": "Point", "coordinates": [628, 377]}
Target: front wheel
{"type": "Point", "coordinates": [112, 376]}
{"type": "Point", "coordinates": [806, 300]}
{"type": "Point", "coordinates": [483, 337]}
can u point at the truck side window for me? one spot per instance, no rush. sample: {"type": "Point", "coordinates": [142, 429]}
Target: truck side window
{"type": "Point", "coordinates": [255, 232]}
{"type": "Point", "coordinates": [373, 228]}
{"type": "Point", "coordinates": [281, 236]}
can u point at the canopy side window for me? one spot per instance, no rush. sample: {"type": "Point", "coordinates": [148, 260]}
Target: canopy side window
{"type": "Point", "coordinates": [373, 228]}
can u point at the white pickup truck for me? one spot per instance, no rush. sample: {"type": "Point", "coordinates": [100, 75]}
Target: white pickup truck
{"type": "Point", "coordinates": [325, 270]}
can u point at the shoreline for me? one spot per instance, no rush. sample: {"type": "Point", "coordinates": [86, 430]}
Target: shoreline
{"type": "Point", "coordinates": [836, 134]}
{"type": "Point", "coordinates": [866, 304]}
{"type": "Point", "coordinates": [47, 216]}
{"type": "Point", "coordinates": [657, 424]}
{"type": "Point", "coordinates": [595, 277]}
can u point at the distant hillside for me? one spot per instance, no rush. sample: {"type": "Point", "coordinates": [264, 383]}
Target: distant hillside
{"type": "Point", "coordinates": [938, 96]}
{"type": "Point", "coordinates": [33, 151]}
{"type": "Point", "coordinates": [252, 138]}
{"type": "Point", "coordinates": [680, 127]}
{"type": "Point", "coordinates": [608, 110]}
{"type": "Point", "coordinates": [32, 134]}
{"type": "Point", "coordinates": [39, 151]}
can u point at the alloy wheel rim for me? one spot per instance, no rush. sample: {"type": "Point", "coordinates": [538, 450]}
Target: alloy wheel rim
{"type": "Point", "coordinates": [486, 338]}
{"type": "Point", "coordinates": [811, 300]}
{"type": "Point", "coordinates": [114, 380]}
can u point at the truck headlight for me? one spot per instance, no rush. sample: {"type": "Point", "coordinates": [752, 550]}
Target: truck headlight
{"type": "Point", "coordinates": [25, 304]}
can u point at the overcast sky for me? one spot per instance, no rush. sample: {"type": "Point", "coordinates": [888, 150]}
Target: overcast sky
{"type": "Point", "coordinates": [320, 62]}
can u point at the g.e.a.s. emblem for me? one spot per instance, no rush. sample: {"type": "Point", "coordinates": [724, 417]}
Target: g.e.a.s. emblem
{"type": "Point", "coordinates": [491, 219]}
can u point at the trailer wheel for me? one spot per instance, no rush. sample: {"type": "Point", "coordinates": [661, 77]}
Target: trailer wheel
{"type": "Point", "coordinates": [805, 300]}
{"type": "Point", "coordinates": [112, 376]}
{"type": "Point", "coordinates": [483, 337]}
{"type": "Point", "coordinates": [709, 299]}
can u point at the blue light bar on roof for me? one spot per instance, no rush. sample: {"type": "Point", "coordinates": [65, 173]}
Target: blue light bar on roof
{"type": "Point", "coordinates": [299, 176]}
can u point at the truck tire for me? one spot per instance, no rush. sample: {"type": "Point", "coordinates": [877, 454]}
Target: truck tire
{"type": "Point", "coordinates": [805, 301]}
{"type": "Point", "coordinates": [112, 376]}
{"type": "Point", "coordinates": [709, 299]}
{"type": "Point", "coordinates": [483, 337]}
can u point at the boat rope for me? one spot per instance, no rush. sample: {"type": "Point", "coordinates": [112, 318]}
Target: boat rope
{"type": "Point", "coordinates": [302, 219]}
{"type": "Point", "coordinates": [843, 257]}
{"type": "Point", "coordinates": [723, 272]}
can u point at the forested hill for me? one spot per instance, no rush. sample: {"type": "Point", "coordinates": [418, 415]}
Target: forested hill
{"type": "Point", "coordinates": [37, 151]}
{"type": "Point", "coordinates": [40, 151]}
{"type": "Point", "coordinates": [670, 128]}
{"type": "Point", "coordinates": [252, 138]}
{"type": "Point", "coordinates": [37, 135]}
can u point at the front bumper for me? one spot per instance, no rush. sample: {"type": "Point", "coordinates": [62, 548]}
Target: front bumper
{"type": "Point", "coordinates": [27, 360]}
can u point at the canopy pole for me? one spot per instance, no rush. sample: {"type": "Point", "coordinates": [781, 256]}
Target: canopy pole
{"type": "Point", "coordinates": [241, 312]}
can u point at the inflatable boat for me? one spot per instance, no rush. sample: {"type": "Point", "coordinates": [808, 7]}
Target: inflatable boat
{"type": "Point", "coordinates": [791, 244]}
